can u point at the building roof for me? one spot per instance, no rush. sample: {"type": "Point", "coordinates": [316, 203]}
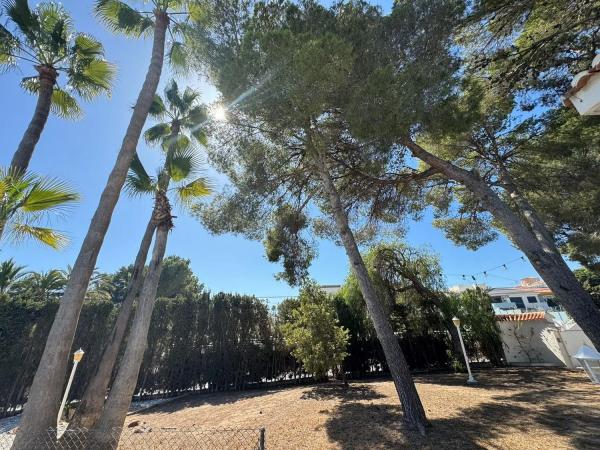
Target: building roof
{"type": "Point", "coordinates": [519, 290]}
{"type": "Point", "coordinates": [536, 315]}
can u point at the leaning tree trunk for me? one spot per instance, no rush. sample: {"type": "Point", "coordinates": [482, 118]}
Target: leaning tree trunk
{"type": "Point", "coordinates": [414, 414]}
{"type": "Point", "coordinates": [47, 79]}
{"type": "Point", "coordinates": [91, 403]}
{"type": "Point", "coordinates": [548, 262]}
{"type": "Point", "coordinates": [45, 393]}
{"type": "Point", "coordinates": [115, 409]}
{"type": "Point", "coordinates": [436, 299]}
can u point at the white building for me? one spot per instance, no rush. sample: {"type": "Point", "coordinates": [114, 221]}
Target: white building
{"type": "Point", "coordinates": [531, 294]}
{"type": "Point", "coordinates": [534, 329]}
{"type": "Point", "coordinates": [331, 289]}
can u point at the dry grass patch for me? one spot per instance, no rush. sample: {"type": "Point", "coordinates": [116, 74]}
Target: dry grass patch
{"type": "Point", "coordinates": [509, 409]}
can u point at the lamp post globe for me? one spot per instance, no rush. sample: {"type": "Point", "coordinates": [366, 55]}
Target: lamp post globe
{"type": "Point", "coordinates": [78, 355]}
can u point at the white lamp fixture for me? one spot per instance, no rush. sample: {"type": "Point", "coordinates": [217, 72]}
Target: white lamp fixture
{"type": "Point", "coordinates": [471, 379]}
{"type": "Point", "coordinates": [76, 358]}
{"type": "Point", "coordinates": [584, 94]}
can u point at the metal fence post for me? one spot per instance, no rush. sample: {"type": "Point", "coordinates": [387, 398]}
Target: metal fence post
{"type": "Point", "coordinates": [261, 439]}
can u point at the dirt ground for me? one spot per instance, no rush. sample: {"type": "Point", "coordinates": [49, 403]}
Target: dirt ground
{"type": "Point", "coordinates": [508, 409]}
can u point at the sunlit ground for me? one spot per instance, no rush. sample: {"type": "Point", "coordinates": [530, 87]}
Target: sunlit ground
{"type": "Point", "coordinates": [509, 409]}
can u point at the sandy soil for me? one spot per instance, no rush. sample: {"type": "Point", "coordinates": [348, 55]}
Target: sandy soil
{"type": "Point", "coordinates": [509, 409]}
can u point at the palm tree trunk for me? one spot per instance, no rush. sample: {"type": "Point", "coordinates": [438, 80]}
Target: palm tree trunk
{"type": "Point", "coordinates": [542, 254]}
{"type": "Point", "coordinates": [91, 403]}
{"type": "Point", "coordinates": [45, 394]}
{"type": "Point", "coordinates": [47, 79]}
{"type": "Point", "coordinates": [414, 414]}
{"type": "Point", "coordinates": [113, 414]}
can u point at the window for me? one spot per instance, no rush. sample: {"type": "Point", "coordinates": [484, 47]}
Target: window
{"type": "Point", "coordinates": [496, 299]}
{"type": "Point", "coordinates": [551, 303]}
{"type": "Point", "coordinates": [518, 301]}
{"type": "Point", "coordinates": [532, 299]}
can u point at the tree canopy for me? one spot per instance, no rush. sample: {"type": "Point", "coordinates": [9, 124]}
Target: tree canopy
{"type": "Point", "coordinates": [313, 332]}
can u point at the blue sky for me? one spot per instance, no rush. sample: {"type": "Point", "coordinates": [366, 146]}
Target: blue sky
{"type": "Point", "coordinates": [82, 153]}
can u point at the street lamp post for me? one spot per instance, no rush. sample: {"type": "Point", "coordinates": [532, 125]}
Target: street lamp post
{"type": "Point", "coordinates": [76, 358]}
{"type": "Point", "coordinates": [456, 322]}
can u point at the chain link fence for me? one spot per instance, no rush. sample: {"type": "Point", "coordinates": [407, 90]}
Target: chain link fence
{"type": "Point", "coordinates": [146, 438]}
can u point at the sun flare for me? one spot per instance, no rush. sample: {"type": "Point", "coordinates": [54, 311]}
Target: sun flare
{"type": "Point", "coordinates": [219, 113]}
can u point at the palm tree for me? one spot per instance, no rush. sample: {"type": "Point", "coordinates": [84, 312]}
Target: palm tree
{"type": "Point", "coordinates": [45, 38]}
{"type": "Point", "coordinates": [43, 286]}
{"type": "Point", "coordinates": [44, 396]}
{"type": "Point", "coordinates": [10, 273]}
{"type": "Point", "coordinates": [185, 117]}
{"type": "Point", "coordinates": [26, 200]}
{"type": "Point", "coordinates": [179, 166]}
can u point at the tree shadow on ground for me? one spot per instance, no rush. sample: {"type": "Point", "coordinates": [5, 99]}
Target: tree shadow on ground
{"type": "Point", "coordinates": [512, 417]}
{"type": "Point", "coordinates": [504, 378]}
{"type": "Point", "coordinates": [195, 400]}
{"type": "Point", "coordinates": [352, 392]}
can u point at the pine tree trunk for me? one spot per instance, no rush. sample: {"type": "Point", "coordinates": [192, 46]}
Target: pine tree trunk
{"type": "Point", "coordinates": [414, 414]}
{"type": "Point", "coordinates": [45, 393]}
{"type": "Point", "coordinates": [91, 403]}
{"type": "Point", "coordinates": [22, 157]}
{"type": "Point", "coordinates": [548, 263]}
{"type": "Point", "coordinates": [115, 409]}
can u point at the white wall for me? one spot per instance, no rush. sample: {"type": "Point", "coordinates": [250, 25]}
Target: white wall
{"type": "Point", "coordinates": [523, 343]}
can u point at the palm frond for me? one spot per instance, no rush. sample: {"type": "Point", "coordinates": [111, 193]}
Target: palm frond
{"type": "Point", "coordinates": [200, 136]}
{"type": "Point", "coordinates": [181, 163]}
{"type": "Point", "coordinates": [157, 133]}
{"type": "Point", "coordinates": [48, 194]}
{"type": "Point", "coordinates": [121, 18]}
{"type": "Point", "coordinates": [189, 97]}
{"type": "Point", "coordinates": [157, 109]}
{"type": "Point", "coordinates": [22, 16]}
{"type": "Point", "coordinates": [87, 46]}
{"type": "Point", "coordinates": [91, 78]}
{"type": "Point", "coordinates": [138, 181]}
{"type": "Point", "coordinates": [26, 199]}
{"type": "Point", "coordinates": [173, 96]}
{"type": "Point", "coordinates": [55, 28]}
{"type": "Point", "coordinates": [200, 187]}
{"type": "Point", "coordinates": [194, 120]}
{"type": "Point", "coordinates": [9, 49]}
{"type": "Point", "coordinates": [45, 235]}
{"type": "Point", "coordinates": [89, 74]}
{"type": "Point", "coordinates": [176, 144]}
{"type": "Point", "coordinates": [177, 57]}
{"type": "Point", "coordinates": [65, 105]}
{"type": "Point", "coordinates": [30, 84]}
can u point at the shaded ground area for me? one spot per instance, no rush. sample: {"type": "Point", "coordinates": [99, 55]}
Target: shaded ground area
{"type": "Point", "coordinates": [509, 409]}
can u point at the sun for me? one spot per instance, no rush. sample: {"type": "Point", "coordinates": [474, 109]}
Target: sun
{"type": "Point", "coordinates": [219, 113]}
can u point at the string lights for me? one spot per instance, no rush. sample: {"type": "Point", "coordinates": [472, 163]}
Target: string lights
{"type": "Point", "coordinates": [486, 272]}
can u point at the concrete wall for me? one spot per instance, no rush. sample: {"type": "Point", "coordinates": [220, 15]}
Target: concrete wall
{"type": "Point", "coordinates": [524, 344]}
{"type": "Point", "coordinates": [573, 339]}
